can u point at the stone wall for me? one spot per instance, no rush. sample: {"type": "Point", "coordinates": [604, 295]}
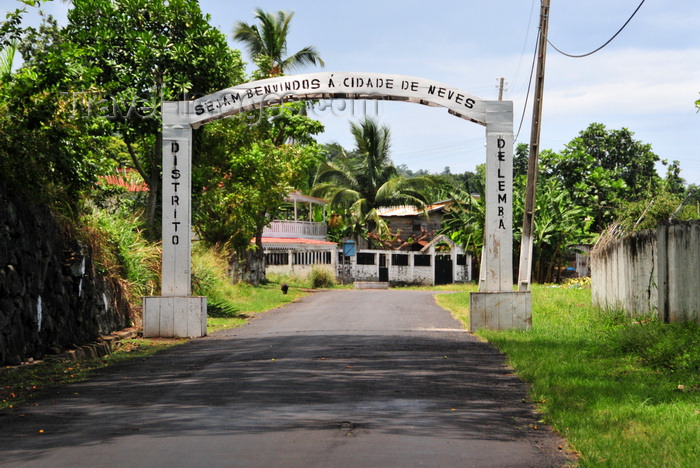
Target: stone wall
{"type": "Point", "coordinates": [51, 297]}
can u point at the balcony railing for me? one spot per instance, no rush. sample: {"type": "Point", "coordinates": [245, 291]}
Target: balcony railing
{"type": "Point", "coordinates": [301, 229]}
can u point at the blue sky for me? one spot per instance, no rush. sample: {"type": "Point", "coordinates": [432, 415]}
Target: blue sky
{"type": "Point", "coordinates": [647, 79]}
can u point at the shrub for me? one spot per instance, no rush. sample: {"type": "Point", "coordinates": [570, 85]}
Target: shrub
{"type": "Point", "coordinates": [120, 247]}
{"type": "Point", "coordinates": [209, 279]}
{"type": "Point", "coordinates": [672, 347]}
{"type": "Point", "coordinates": [321, 278]}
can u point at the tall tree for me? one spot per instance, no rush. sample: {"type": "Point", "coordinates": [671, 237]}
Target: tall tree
{"type": "Point", "coordinates": [45, 152]}
{"type": "Point", "coordinates": [242, 178]}
{"type": "Point", "coordinates": [602, 169]}
{"type": "Point", "coordinates": [358, 186]}
{"type": "Point", "coordinates": [251, 162]}
{"type": "Point", "coordinates": [148, 51]}
{"type": "Point", "coordinates": [267, 43]}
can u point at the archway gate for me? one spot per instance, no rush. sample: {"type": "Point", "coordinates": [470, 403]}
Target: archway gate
{"type": "Point", "coordinates": [176, 313]}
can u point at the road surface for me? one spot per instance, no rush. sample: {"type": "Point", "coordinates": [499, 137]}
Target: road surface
{"type": "Point", "coordinates": [339, 378]}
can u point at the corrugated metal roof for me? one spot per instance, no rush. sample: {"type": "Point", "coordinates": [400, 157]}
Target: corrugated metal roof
{"type": "Point", "coordinates": [300, 197]}
{"type": "Point", "coordinates": [411, 210]}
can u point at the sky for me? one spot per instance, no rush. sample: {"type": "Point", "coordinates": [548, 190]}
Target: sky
{"type": "Point", "coordinates": [647, 79]}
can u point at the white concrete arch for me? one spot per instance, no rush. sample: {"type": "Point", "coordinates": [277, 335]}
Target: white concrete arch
{"type": "Point", "coordinates": [176, 313]}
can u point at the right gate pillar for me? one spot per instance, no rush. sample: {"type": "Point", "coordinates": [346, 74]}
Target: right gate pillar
{"type": "Point", "coordinates": [497, 306]}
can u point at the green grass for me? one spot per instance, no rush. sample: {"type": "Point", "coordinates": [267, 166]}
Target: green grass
{"type": "Point", "coordinates": [230, 305]}
{"type": "Point", "coordinates": [243, 301]}
{"type": "Point", "coordinates": [624, 392]}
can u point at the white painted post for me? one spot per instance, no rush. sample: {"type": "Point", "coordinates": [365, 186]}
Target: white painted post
{"type": "Point", "coordinates": [496, 305]}
{"type": "Point", "coordinates": [498, 230]}
{"type": "Point", "coordinates": [176, 313]}
{"type": "Point", "coordinates": [177, 219]}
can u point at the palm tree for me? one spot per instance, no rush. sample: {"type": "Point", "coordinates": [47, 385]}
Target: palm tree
{"type": "Point", "coordinates": [267, 43]}
{"type": "Point", "coordinates": [7, 57]}
{"type": "Point", "coordinates": [358, 186]}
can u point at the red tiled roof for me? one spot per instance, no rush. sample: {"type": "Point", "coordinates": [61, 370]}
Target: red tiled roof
{"type": "Point", "coordinates": [122, 182]}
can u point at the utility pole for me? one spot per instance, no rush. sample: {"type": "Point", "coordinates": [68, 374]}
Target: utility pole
{"type": "Point", "coordinates": [525, 272]}
{"type": "Point", "coordinates": [500, 88]}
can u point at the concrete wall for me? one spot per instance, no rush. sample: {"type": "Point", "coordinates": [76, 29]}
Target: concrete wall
{"type": "Point", "coordinates": [652, 271]}
{"type": "Point", "coordinates": [679, 272]}
{"type": "Point", "coordinates": [404, 274]}
{"type": "Point", "coordinates": [623, 273]}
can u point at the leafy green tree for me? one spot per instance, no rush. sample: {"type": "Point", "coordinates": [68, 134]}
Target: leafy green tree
{"type": "Point", "coordinates": [356, 187]}
{"type": "Point", "coordinates": [267, 44]}
{"type": "Point", "coordinates": [241, 181]}
{"type": "Point", "coordinates": [674, 183]}
{"type": "Point", "coordinates": [602, 169]}
{"type": "Point", "coordinates": [251, 161]}
{"type": "Point", "coordinates": [464, 222]}
{"type": "Point", "coordinates": [148, 51]}
{"type": "Point", "coordinates": [520, 160]}
{"type": "Point", "coordinates": [559, 226]}
{"type": "Point", "coordinates": [46, 153]}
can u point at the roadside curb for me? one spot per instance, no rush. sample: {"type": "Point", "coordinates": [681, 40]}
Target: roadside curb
{"type": "Point", "coordinates": [105, 345]}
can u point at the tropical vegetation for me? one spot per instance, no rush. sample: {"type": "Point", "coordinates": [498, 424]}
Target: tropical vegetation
{"type": "Point", "coordinates": [85, 102]}
{"type": "Point", "coordinates": [357, 185]}
{"type": "Point", "coordinates": [266, 43]}
{"type": "Point", "coordinates": [602, 177]}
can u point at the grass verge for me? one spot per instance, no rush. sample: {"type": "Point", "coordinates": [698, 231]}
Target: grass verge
{"type": "Point", "coordinates": [231, 305]}
{"type": "Point", "coordinates": [624, 392]}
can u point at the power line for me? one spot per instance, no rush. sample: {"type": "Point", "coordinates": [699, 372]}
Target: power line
{"type": "Point", "coordinates": [529, 85]}
{"type": "Point", "coordinates": [608, 41]}
{"type": "Point", "coordinates": [525, 41]}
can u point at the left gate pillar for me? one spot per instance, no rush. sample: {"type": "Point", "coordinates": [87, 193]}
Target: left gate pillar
{"type": "Point", "coordinates": [176, 313]}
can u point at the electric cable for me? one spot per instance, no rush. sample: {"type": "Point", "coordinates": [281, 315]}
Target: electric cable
{"type": "Point", "coordinates": [529, 86]}
{"type": "Point", "coordinates": [522, 52]}
{"type": "Point", "coordinates": [606, 43]}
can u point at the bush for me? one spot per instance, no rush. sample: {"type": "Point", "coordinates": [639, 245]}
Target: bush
{"type": "Point", "coordinates": [209, 279]}
{"type": "Point", "coordinates": [672, 347]}
{"type": "Point", "coordinates": [321, 278]}
{"type": "Point", "coordinates": [120, 247]}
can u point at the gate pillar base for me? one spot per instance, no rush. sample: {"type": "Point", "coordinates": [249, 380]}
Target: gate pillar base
{"type": "Point", "coordinates": [501, 310]}
{"type": "Point", "coordinates": [174, 316]}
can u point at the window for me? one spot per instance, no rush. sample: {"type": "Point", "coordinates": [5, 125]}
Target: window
{"type": "Point", "coordinates": [421, 260]}
{"type": "Point", "coordinates": [312, 258]}
{"type": "Point", "coordinates": [277, 258]}
{"type": "Point", "coordinates": [461, 259]}
{"type": "Point", "coordinates": [364, 258]}
{"type": "Point", "coordinates": [399, 259]}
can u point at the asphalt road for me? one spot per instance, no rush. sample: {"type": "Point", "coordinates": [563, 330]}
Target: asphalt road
{"type": "Point", "coordinates": [338, 379]}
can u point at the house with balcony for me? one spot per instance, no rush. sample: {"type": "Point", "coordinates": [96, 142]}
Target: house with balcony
{"type": "Point", "coordinates": [297, 242]}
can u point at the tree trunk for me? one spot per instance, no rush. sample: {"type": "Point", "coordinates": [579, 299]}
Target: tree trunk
{"type": "Point", "coordinates": [151, 175]}
{"type": "Point", "coordinates": [248, 266]}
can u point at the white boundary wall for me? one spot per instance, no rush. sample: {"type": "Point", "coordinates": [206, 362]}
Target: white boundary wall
{"type": "Point", "coordinates": [652, 271]}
